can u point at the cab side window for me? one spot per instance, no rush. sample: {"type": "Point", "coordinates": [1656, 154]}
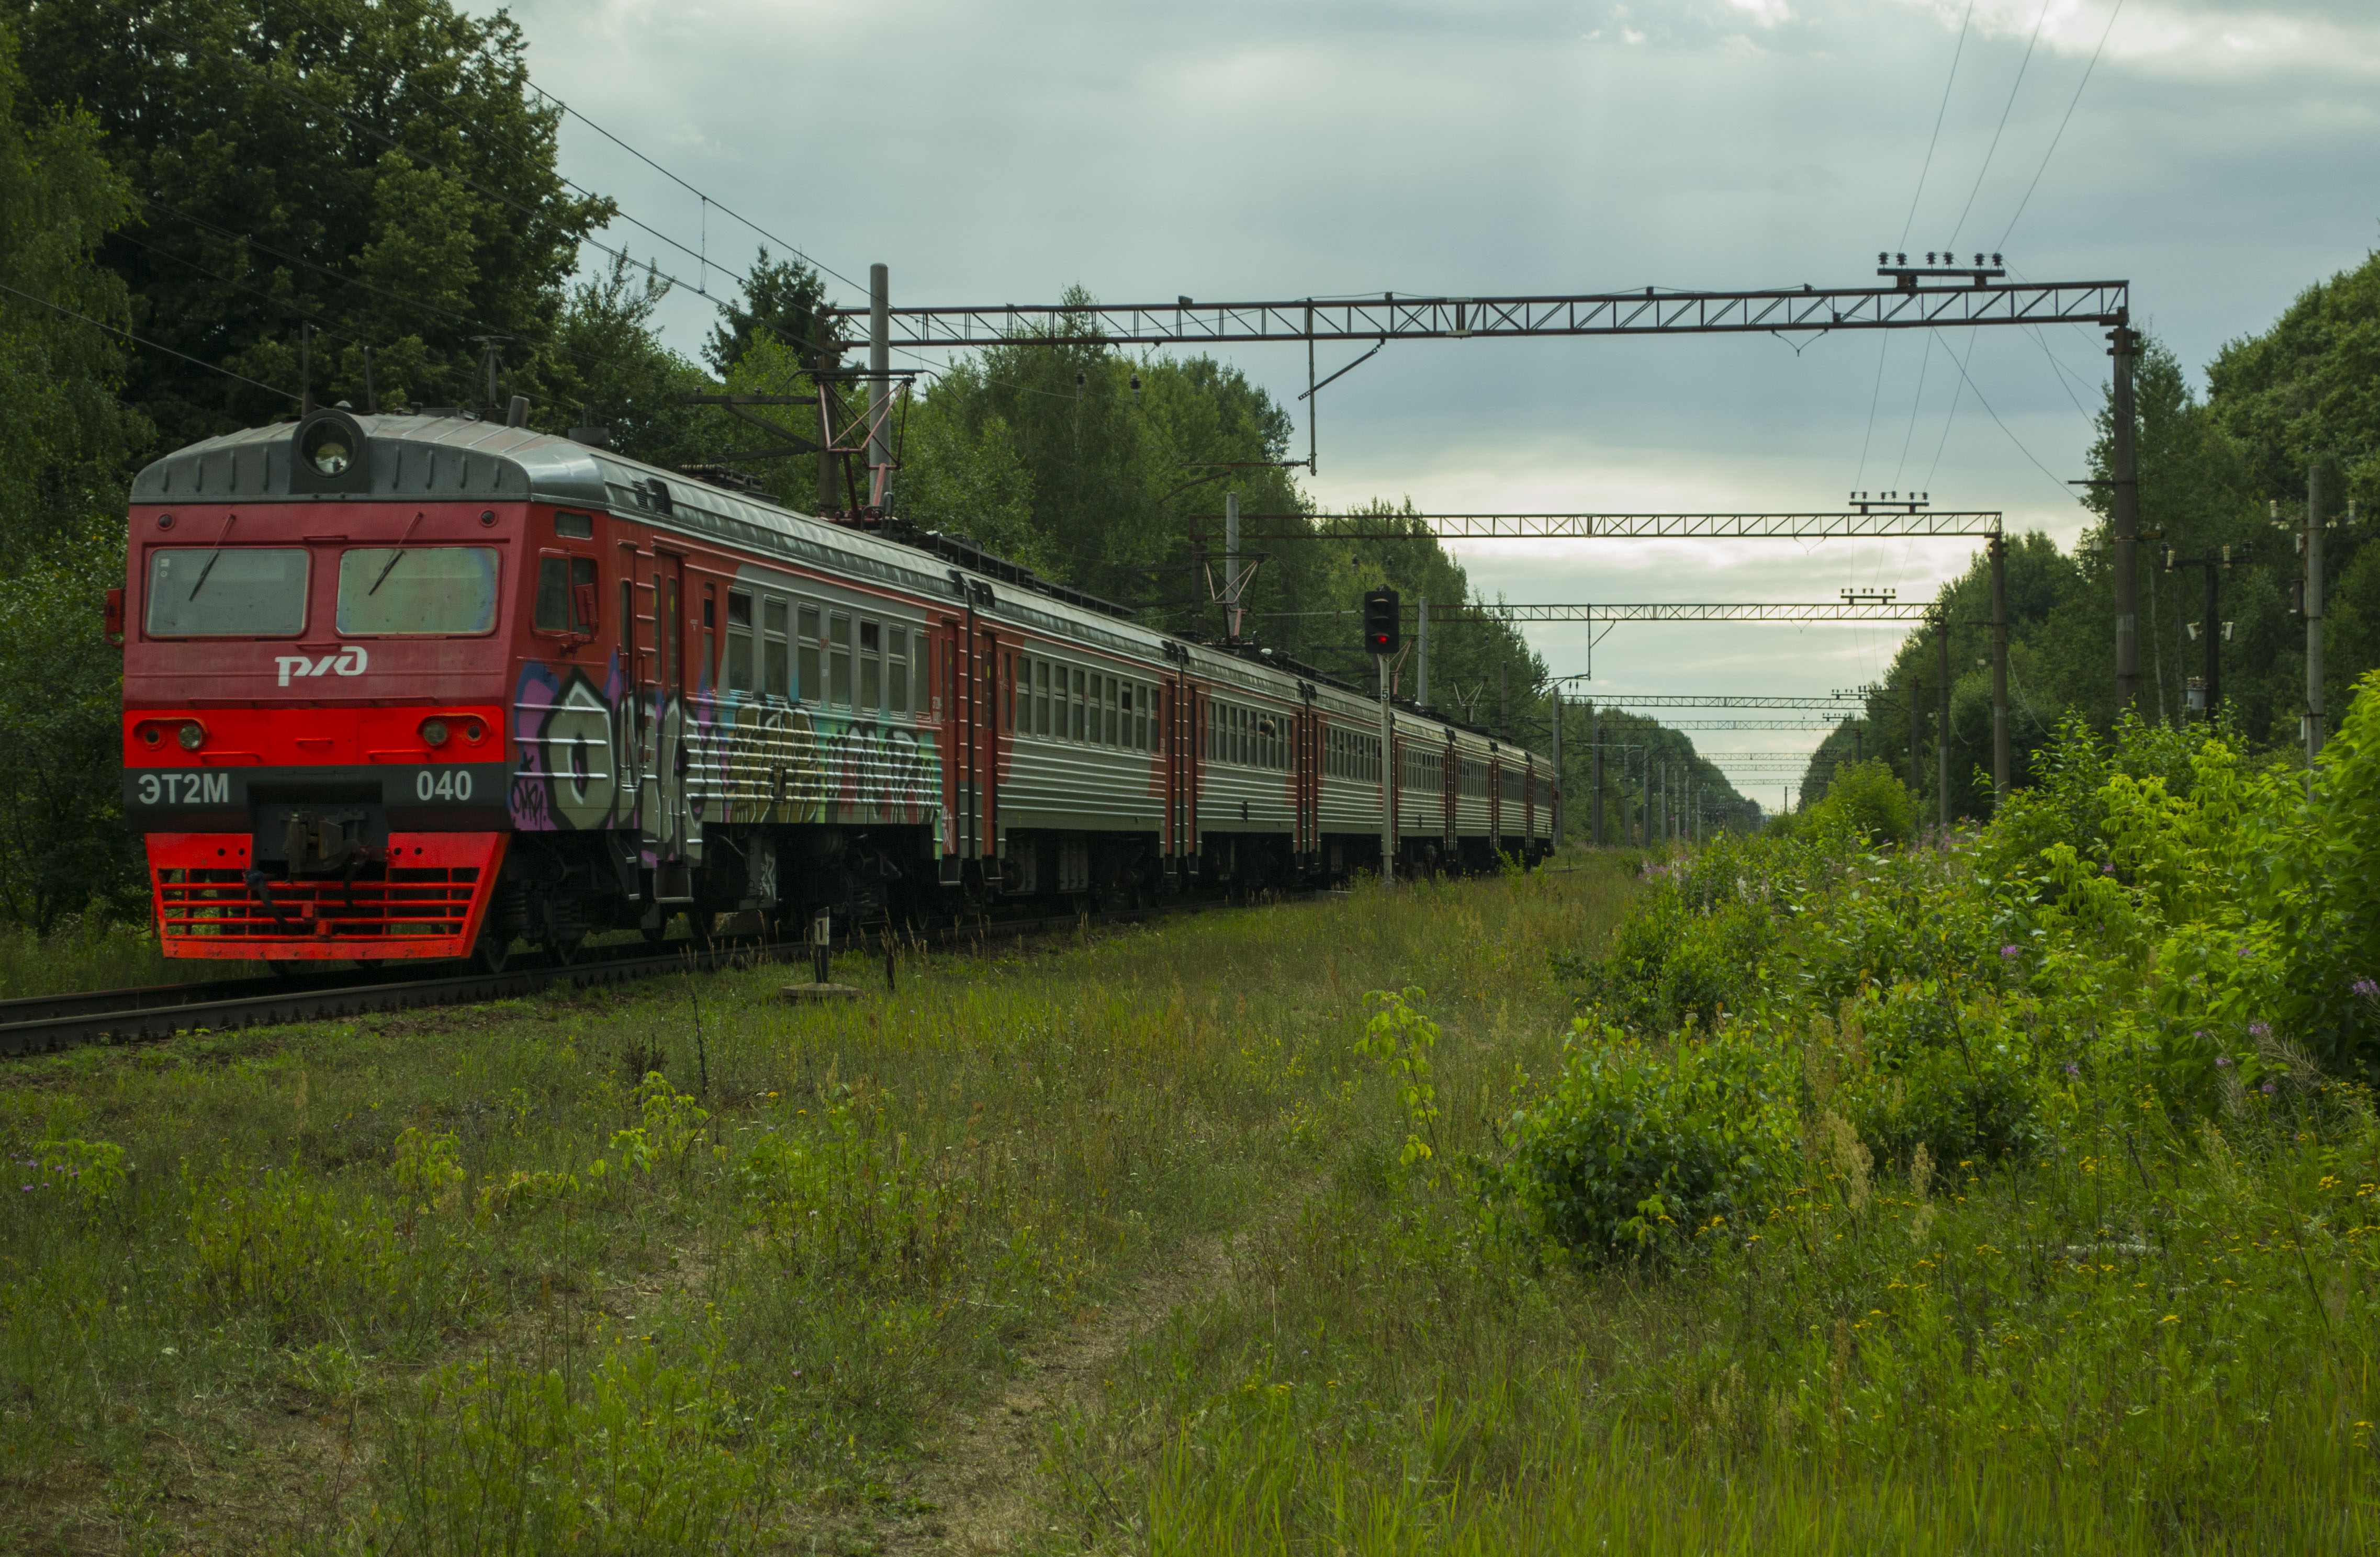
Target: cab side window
{"type": "Point", "coordinates": [565, 595]}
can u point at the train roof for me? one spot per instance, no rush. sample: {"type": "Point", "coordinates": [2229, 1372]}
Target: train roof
{"type": "Point", "coordinates": [446, 455]}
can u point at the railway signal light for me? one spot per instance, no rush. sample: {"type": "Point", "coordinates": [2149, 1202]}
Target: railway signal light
{"type": "Point", "coordinates": [1381, 631]}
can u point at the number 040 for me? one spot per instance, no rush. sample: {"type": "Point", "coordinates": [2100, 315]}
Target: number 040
{"type": "Point", "coordinates": [447, 783]}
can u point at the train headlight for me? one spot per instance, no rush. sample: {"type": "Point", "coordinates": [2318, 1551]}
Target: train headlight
{"type": "Point", "coordinates": [328, 449]}
{"type": "Point", "coordinates": [191, 737]}
{"type": "Point", "coordinates": [433, 732]}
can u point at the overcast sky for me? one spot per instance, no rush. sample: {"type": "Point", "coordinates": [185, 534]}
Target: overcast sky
{"type": "Point", "coordinates": [2220, 156]}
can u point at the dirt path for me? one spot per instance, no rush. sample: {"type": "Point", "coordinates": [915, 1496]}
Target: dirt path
{"type": "Point", "coordinates": [983, 1477]}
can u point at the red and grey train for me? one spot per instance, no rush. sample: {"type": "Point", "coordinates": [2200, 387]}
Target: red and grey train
{"type": "Point", "coordinates": [429, 685]}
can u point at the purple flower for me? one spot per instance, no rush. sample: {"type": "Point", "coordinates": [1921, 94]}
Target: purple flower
{"type": "Point", "coordinates": [2222, 1059]}
{"type": "Point", "coordinates": [2072, 1068]}
{"type": "Point", "coordinates": [2107, 869]}
{"type": "Point", "coordinates": [2367, 989]}
{"type": "Point", "coordinates": [2200, 1033]}
{"type": "Point", "coordinates": [2266, 1089]}
{"type": "Point", "coordinates": [2007, 952]}
{"type": "Point", "coordinates": [2259, 1029]}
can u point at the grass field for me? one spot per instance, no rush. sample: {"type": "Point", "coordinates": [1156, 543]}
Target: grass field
{"type": "Point", "coordinates": [685, 1266]}
{"type": "Point", "coordinates": [1171, 1239]}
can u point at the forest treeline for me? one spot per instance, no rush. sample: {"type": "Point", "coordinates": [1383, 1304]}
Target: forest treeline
{"type": "Point", "coordinates": [2224, 468]}
{"type": "Point", "coordinates": [188, 184]}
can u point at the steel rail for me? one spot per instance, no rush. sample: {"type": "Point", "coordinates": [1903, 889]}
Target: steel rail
{"type": "Point", "coordinates": [47, 1023]}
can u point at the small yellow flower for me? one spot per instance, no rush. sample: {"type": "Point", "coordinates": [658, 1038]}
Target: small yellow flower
{"type": "Point", "coordinates": [2171, 1319]}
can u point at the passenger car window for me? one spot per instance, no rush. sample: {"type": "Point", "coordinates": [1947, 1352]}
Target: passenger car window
{"type": "Point", "coordinates": [739, 641]}
{"type": "Point", "coordinates": [423, 590]}
{"type": "Point", "coordinates": [839, 660]}
{"type": "Point", "coordinates": [872, 666]}
{"type": "Point", "coordinates": [896, 668]}
{"type": "Point", "coordinates": [772, 648]}
{"type": "Point", "coordinates": [251, 592]}
{"type": "Point", "coordinates": [811, 685]}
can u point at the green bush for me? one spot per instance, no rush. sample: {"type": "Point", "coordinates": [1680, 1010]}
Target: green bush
{"type": "Point", "coordinates": [1635, 1149]}
{"type": "Point", "coordinates": [1671, 962]}
{"type": "Point", "coordinates": [1911, 1070]}
{"type": "Point", "coordinates": [1865, 801]}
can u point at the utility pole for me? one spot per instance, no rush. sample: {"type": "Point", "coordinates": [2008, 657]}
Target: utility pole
{"type": "Point", "coordinates": [1595, 733]}
{"type": "Point", "coordinates": [1231, 567]}
{"type": "Point", "coordinates": [1999, 673]}
{"type": "Point", "coordinates": [2124, 511]}
{"type": "Point", "coordinates": [1421, 655]}
{"type": "Point", "coordinates": [1942, 718]}
{"type": "Point", "coordinates": [1504, 701]}
{"type": "Point", "coordinates": [2313, 614]}
{"type": "Point", "coordinates": [1555, 805]}
{"type": "Point", "coordinates": [2208, 691]}
{"type": "Point", "coordinates": [1916, 791]}
{"type": "Point", "coordinates": [880, 383]}
{"type": "Point", "coordinates": [825, 366]}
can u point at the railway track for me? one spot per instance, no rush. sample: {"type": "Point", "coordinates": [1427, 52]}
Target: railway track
{"type": "Point", "coordinates": [48, 1023]}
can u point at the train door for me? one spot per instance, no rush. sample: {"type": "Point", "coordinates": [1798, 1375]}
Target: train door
{"type": "Point", "coordinates": [1308, 758]}
{"type": "Point", "coordinates": [1529, 803]}
{"type": "Point", "coordinates": [949, 705]}
{"type": "Point", "coordinates": [992, 681]}
{"type": "Point", "coordinates": [1495, 803]}
{"type": "Point", "coordinates": [677, 845]}
{"type": "Point", "coordinates": [1184, 748]}
{"type": "Point", "coordinates": [629, 723]}
{"type": "Point", "coordinates": [1393, 775]}
{"type": "Point", "coordinates": [1448, 789]}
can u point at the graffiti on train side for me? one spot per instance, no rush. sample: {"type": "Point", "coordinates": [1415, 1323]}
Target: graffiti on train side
{"type": "Point", "coordinates": [588, 761]}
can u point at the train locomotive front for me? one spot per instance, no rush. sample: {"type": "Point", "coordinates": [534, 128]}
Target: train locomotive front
{"type": "Point", "coordinates": [316, 643]}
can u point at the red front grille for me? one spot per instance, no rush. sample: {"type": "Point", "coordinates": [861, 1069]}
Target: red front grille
{"type": "Point", "coordinates": [427, 901]}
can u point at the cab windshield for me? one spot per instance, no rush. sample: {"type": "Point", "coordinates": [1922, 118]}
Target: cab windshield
{"type": "Point", "coordinates": [226, 592]}
{"type": "Point", "coordinates": [417, 590]}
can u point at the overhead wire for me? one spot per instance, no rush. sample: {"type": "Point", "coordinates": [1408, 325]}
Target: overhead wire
{"type": "Point", "coordinates": [464, 179]}
{"type": "Point", "coordinates": [2012, 438]}
{"type": "Point", "coordinates": [2112, 15]}
{"type": "Point", "coordinates": [1928, 165]}
{"type": "Point", "coordinates": [2005, 110]}
{"type": "Point", "coordinates": [708, 199]}
{"type": "Point", "coordinates": [153, 345]}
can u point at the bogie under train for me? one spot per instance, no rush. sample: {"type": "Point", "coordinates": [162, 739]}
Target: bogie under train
{"type": "Point", "coordinates": [421, 686]}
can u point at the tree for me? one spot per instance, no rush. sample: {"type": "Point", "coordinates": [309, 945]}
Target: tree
{"type": "Point", "coordinates": [66, 444]}
{"type": "Point", "coordinates": [781, 302]}
{"type": "Point", "coordinates": [374, 166]}
{"type": "Point", "coordinates": [64, 439]}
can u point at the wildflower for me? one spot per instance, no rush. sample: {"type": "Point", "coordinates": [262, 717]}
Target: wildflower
{"type": "Point", "coordinates": [2072, 1068]}
{"type": "Point", "coordinates": [2367, 989]}
{"type": "Point", "coordinates": [2008, 952]}
{"type": "Point", "coordinates": [2266, 1089]}
{"type": "Point", "coordinates": [2171, 1319]}
{"type": "Point", "coordinates": [2107, 869]}
{"type": "Point", "coordinates": [2222, 1060]}
{"type": "Point", "coordinates": [2259, 1029]}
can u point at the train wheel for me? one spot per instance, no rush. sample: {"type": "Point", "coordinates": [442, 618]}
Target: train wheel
{"type": "Point", "coordinates": [567, 950]}
{"type": "Point", "coordinates": [494, 950]}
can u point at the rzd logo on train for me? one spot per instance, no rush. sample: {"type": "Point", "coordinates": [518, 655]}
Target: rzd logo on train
{"type": "Point", "coordinates": [349, 661]}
